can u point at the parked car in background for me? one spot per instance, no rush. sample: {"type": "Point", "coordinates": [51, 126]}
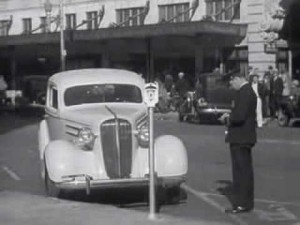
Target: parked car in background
{"type": "Point", "coordinates": [34, 88]}
{"type": "Point", "coordinates": [95, 135]}
{"type": "Point", "coordinates": [289, 110]}
{"type": "Point", "coordinates": [211, 99]}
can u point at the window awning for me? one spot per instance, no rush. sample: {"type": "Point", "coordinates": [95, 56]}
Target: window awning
{"type": "Point", "coordinates": [235, 32]}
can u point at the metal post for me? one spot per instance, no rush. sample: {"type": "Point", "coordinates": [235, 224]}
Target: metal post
{"type": "Point", "coordinates": [152, 200]}
{"type": "Point", "coordinates": [62, 40]}
{"type": "Point", "coordinates": [48, 9]}
{"type": "Point", "coordinates": [290, 66]}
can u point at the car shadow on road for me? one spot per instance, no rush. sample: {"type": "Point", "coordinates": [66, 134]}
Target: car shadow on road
{"type": "Point", "coordinates": [13, 120]}
{"type": "Point", "coordinates": [226, 189]}
{"type": "Point", "coordinates": [125, 198]}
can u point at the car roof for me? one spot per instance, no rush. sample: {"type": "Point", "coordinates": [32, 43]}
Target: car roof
{"type": "Point", "coordinates": [71, 78]}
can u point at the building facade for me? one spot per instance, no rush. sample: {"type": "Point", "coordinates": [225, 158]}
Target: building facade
{"type": "Point", "coordinates": [153, 37]}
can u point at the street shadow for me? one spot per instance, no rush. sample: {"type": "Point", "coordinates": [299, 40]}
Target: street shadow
{"type": "Point", "coordinates": [10, 120]}
{"type": "Point", "coordinates": [126, 198]}
{"type": "Point", "coordinates": [296, 124]}
{"type": "Point", "coordinates": [226, 189]}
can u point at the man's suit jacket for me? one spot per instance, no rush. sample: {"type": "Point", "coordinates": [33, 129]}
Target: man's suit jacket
{"type": "Point", "coordinates": [278, 86]}
{"type": "Point", "coordinates": [242, 120]}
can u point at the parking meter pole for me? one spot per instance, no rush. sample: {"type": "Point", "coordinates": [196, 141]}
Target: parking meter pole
{"type": "Point", "coordinates": [152, 199]}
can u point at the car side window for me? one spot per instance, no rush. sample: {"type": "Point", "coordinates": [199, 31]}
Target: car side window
{"type": "Point", "coordinates": [53, 97]}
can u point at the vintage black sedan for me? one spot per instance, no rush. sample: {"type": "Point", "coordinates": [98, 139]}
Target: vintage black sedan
{"type": "Point", "coordinates": [211, 99]}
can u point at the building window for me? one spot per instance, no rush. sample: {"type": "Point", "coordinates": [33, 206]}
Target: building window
{"type": "Point", "coordinates": [43, 24]}
{"type": "Point", "coordinates": [71, 21]}
{"type": "Point", "coordinates": [215, 7]}
{"type": "Point", "coordinates": [174, 12]}
{"type": "Point", "coordinates": [129, 17]}
{"type": "Point", "coordinates": [4, 27]}
{"type": "Point", "coordinates": [92, 18]}
{"type": "Point", "coordinates": [27, 25]}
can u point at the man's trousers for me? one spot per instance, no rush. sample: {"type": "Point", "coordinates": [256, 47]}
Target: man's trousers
{"type": "Point", "coordinates": [242, 175]}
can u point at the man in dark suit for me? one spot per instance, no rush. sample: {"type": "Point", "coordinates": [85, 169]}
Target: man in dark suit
{"type": "Point", "coordinates": [277, 92]}
{"type": "Point", "coordinates": [241, 136]}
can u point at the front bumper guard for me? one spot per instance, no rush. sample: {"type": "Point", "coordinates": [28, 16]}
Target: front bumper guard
{"type": "Point", "coordinates": [83, 181]}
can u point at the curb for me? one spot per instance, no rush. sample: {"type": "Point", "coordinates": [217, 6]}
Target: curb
{"type": "Point", "coordinates": [27, 209]}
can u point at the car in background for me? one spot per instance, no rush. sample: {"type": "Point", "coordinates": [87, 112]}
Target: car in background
{"type": "Point", "coordinates": [95, 135]}
{"type": "Point", "coordinates": [211, 99]}
{"type": "Point", "coordinates": [34, 88]}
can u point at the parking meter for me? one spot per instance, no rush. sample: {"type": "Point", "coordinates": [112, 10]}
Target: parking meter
{"type": "Point", "coordinates": [151, 98]}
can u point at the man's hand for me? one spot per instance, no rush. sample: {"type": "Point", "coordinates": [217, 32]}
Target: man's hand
{"type": "Point", "coordinates": [224, 118]}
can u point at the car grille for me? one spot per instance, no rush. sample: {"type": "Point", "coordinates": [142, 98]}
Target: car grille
{"type": "Point", "coordinates": [117, 154]}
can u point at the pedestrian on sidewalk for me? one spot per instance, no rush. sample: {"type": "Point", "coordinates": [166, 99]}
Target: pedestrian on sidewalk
{"type": "Point", "coordinates": [258, 88]}
{"type": "Point", "coordinates": [277, 89]}
{"type": "Point", "coordinates": [241, 136]}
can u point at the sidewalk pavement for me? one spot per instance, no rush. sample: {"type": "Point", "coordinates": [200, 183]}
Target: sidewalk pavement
{"type": "Point", "coordinates": [21, 208]}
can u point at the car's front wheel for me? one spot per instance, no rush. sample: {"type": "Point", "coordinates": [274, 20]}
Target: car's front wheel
{"type": "Point", "coordinates": [283, 118]}
{"type": "Point", "coordinates": [50, 186]}
{"type": "Point", "coordinates": [175, 194]}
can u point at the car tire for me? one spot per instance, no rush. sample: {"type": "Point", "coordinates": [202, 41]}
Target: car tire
{"type": "Point", "coordinates": [160, 198]}
{"type": "Point", "coordinates": [175, 195]}
{"type": "Point", "coordinates": [51, 189]}
{"type": "Point", "coordinates": [283, 119]}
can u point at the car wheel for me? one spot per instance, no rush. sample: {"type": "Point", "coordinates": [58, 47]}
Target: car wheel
{"type": "Point", "coordinates": [160, 198]}
{"type": "Point", "coordinates": [175, 195]}
{"type": "Point", "coordinates": [283, 119]}
{"type": "Point", "coordinates": [50, 186]}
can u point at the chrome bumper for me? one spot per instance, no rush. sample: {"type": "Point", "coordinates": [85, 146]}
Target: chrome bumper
{"type": "Point", "coordinates": [213, 111]}
{"type": "Point", "coordinates": [87, 183]}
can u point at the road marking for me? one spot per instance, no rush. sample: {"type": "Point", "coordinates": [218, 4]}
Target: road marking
{"type": "Point", "coordinates": [276, 214]}
{"type": "Point", "coordinates": [260, 200]}
{"type": "Point", "coordinates": [11, 173]}
{"type": "Point", "coordinates": [278, 141]}
{"type": "Point", "coordinates": [204, 196]}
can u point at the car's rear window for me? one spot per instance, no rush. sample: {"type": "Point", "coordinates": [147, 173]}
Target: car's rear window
{"type": "Point", "coordinates": [98, 93]}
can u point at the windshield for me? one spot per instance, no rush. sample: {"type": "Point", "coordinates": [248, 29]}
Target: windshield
{"type": "Point", "coordinates": [214, 82]}
{"type": "Point", "coordinates": [98, 93]}
{"type": "Point", "coordinates": [215, 89]}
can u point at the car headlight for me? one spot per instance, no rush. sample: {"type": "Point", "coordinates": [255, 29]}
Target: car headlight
{"type": "Point", "coordinates": [202, 102]}
{"type": "Point", "coordinates": [143, 136]}
{"type": "Point", "coordinates": [86, 138]}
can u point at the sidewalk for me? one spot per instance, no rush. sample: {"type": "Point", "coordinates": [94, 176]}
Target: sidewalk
{"type": "Point", "coordinates": [20, 208]}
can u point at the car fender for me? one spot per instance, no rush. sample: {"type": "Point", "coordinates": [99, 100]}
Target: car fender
{"type": "Point", "coordinates": [63, 158]}
{"type": "Point", "coordinates": [170, 156]}
{"type": "Point", "coordinates": [43, 138]}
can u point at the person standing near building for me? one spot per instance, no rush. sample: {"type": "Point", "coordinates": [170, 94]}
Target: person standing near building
{"type": "Point", "coordinates": [287, 83]}
{"type": "Point", "coordinates": [3, 87]}
{"type": "Point", "coordinates": [277, 89]}
{"type": "Point", "coordinates": [182, 85]}
{"type": "Point", "coordinates": [268, 81]}
{"type": "Point", "coordinates": [259, 91]}
{"type": "Point", "coordinates": [241, 136]}
{"type": "Point", "coordinates": [168, 82]}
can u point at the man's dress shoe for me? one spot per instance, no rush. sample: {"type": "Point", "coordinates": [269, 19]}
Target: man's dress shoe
{"type": "Point", "coordinates": [238, 209]}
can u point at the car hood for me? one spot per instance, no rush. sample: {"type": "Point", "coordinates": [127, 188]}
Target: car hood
{"type": "Point", "coordinates": [91, 115]}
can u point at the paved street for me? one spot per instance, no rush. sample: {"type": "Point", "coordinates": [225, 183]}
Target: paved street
{"type": "Point", "coordinates": [276, 164]}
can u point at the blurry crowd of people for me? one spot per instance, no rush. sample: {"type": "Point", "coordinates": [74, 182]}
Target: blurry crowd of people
{"type": "Point", "coordinates": [271, 89]}
{"type": "Point", "coordinates": [171, 91]}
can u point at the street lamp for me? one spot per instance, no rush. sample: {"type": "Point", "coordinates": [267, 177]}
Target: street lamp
{"type": "Point", "coordinates": [63, 52]}
{"type": "Point", "coordinates": [48, 9]}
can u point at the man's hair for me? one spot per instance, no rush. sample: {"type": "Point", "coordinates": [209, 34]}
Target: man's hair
{"type": "Point", "coordinates": [270, 67]}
